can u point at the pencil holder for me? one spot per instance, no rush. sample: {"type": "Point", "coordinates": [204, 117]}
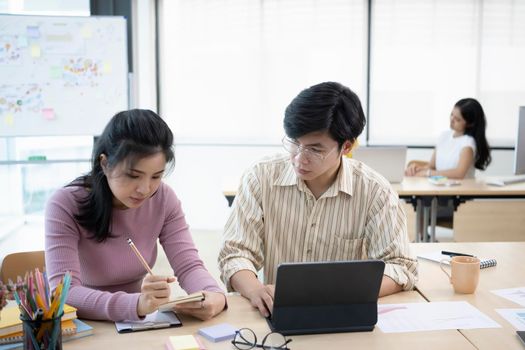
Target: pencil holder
{"type": "Point", "coordinates": [42, 334]}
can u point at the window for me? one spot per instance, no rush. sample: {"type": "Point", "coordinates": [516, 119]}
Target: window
{"type": "Point", "coordinates": [230, 68]}
{"type": "Point", "coordinates": [426, 55]}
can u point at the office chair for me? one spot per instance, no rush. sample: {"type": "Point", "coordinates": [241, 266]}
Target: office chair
{"type": "Point", "coordinates": [17, 264]}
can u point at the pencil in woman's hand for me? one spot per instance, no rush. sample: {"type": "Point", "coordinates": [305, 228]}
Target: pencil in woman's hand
{"type": "Point", "coordinates": [139, 256]}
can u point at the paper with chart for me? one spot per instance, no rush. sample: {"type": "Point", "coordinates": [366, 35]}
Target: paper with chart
{"type": "Point", "coordinates": [417, 317]}
{"type": "Point", "coordinates": [515, 317]}
{"type": "Point", "coordinates": [516, 295]}
{"type": "Point", "coordinates": [61, 75]}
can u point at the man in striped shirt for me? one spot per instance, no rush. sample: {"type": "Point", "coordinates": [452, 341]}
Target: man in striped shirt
{"type": "Point", "coordinates": [313, 204]}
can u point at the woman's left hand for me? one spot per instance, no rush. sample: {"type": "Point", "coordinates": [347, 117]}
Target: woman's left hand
{"type": "Point", "coordinates": [212, 304]}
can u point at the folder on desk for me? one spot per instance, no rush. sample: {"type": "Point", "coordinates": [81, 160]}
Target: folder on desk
{"type": "Point", "coordinates": [154, 320]}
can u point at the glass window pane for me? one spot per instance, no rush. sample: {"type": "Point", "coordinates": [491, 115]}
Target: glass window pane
{"type": "Point", "coordinates": [230, 68]}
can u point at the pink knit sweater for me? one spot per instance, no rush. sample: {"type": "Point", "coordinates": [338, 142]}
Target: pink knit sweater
{"type": "Point", "coordinates": [107, 276]}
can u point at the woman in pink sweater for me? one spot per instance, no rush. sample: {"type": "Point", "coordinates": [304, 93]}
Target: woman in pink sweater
{"type": "Point", "coordinates": [89, 221]}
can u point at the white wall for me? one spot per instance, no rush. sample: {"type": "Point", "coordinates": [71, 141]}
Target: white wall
{"type": "Point", "coordinates": [202, 173]}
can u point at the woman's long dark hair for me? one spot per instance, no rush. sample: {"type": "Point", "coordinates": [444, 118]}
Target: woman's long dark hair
{"type": "Point", "coordinates": [129, 136]}
{"type": "Point", "coordinates": [476, 124]}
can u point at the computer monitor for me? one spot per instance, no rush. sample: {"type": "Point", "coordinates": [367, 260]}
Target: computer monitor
{"type": "Point", "coordinates": [519, 150]}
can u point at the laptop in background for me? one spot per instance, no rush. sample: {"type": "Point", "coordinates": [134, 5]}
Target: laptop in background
{"type": "Point", "coordinates": [388, 161]}
{"type": "Point", "coordinates": [326, 297]}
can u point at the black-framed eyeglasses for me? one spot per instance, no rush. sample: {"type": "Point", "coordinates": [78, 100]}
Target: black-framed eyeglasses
{"type": "Point", "coordinates": [246, 339]}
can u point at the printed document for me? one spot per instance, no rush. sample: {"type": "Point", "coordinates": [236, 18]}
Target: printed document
{"type": "Point", "coordinates": [516, 295]}
{"type": "Point", "coordinates": [416, 317]}
{"type": "Point", "coordinates": [515, 317]}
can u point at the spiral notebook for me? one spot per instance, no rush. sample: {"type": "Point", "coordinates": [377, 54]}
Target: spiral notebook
{"type": "Point", "coordinates": [437, 257]}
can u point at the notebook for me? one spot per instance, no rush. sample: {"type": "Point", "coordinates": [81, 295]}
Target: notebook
{"type": "Point", "coordinates": [68, 328]}
{"type": "Point", "coordinates": [154, 320]}
{"type": "Point", "coordinates": [326, 297]}
{"type": "Point", "coordinates": [10, 321]}
{"type": "Point", "coordinates": [82, 330]}
{"type": "Point", "coordinates": [437, 257]}
{"type": "Point", "coordinates": [388, 161]}
{"type": "Point", "coordinates": [197, 296]}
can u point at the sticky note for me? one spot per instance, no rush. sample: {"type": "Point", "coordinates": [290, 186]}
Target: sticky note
{"type": "Point", "coordinates": [86, 31]}
{"type": "Point", "coordinates": [21, 41]}
{"type": "Point", "coordinates": [55, 72]}
{"type": "Point", "coordinates": [183, 342]}
{"type": "Point", "coordinates": [48, 113]}
{"type": "Point", "coordinates": [9, 119]}
{"type": "Point", "coordinates": [106, 68]}
{"type": "Point", "coordinates": [35, 51]}
{"type": "Point", "coordinates": [219, 332]}
{"type": "Point", "coordinates": [33, 32]}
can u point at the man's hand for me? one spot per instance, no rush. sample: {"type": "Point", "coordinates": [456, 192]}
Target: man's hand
{"type": "Point", "coordinates": [260, 295]}
{"type": "Point", "coordinates": [262, 298]}
{"type": "Point", "coordinates": [155, 290]}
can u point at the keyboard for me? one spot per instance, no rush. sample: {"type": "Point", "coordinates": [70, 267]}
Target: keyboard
{"type": "Point", "coordinates": [506, 180]}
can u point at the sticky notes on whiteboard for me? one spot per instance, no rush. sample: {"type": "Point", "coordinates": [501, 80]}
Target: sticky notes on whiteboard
{"type": "Point", "coordinates": [33, 32]}
{"type": "Point", "coordinates": [9, 119]}
{"type": "Point", "coordinates": [48, 113]}
{"type": "Point", "coordinates": [22, 41]}
{"type": "Point", "coordinates": [106, 67]}
{"type": "Point", "coordinates": [35, 51]}
{"type": "Point", "coordinates": [86, 31]}
{"type": "Point", "coordinates": [55, 72]}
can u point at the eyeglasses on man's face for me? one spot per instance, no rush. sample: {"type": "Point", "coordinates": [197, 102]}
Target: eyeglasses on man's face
{"type": "Point", "coordinates": [311, 153]}
{"type": "Point", "coordinates": [246, 339]}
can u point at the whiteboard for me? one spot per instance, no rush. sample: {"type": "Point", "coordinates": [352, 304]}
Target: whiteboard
{"type": "Point", "coordinates": [61, 75]}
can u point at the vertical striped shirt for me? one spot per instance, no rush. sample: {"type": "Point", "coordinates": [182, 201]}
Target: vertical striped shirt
{"type": "Point", "coordinates": [275, 219]}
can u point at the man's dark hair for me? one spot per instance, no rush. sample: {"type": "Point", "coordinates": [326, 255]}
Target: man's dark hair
{"type": "Point", "coordinates": [327, 106]}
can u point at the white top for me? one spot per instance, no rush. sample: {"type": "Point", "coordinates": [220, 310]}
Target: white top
{"type": "Point", "coordinates": [448, 149]}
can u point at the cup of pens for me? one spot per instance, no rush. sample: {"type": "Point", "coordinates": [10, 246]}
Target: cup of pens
{"type": "Point", "coordinates": [41, 311]}
{"type": "Point", "coordinates": [40, 334]}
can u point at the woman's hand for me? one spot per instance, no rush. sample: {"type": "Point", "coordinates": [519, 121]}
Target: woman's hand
{"type": "Point", "coordinates": [212, 304]}
{"type": "Point", "coordinates": [413, 169]}
{"type": "Point", "coordinates": [155, 291]}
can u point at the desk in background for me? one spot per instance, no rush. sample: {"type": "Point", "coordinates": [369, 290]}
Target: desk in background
{"type": "Point", "coordinates": [424, 197]}
{"type": "Point", "coordinates": [433, 284]}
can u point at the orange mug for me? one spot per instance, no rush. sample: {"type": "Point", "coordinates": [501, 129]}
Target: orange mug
{"type": "Point", "coordinates": [464, 273]}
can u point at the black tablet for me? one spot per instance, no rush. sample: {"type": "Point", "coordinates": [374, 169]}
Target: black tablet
{"type": "Point", "coordinates": [326, 297]}
{"type": "Point", "coordinates": [521, 335]}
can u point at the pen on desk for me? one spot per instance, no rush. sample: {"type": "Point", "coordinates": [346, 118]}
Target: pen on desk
{"type": "Point", "coordinates": [444, 252]}
{"type": "Point", "coordinates": [139, 256]}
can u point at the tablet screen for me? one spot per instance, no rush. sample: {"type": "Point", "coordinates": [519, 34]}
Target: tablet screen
{"type": "Point", "coordinates": [521, 334]}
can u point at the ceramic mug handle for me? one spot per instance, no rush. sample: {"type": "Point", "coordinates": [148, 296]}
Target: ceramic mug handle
{"type": "Point", "coordinates": [441, 264]}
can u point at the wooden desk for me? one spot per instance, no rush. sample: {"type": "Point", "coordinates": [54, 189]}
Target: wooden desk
{"type": "Point", "coordinates": [509, 273]}
{"type": "Point", "coordinates": [424, 197]}
{"type": "Point", "coordinates": [241, 314]}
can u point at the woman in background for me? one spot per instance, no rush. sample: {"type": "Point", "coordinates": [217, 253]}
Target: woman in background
{"type": "Point", "coordinates": [460, 149]}
{"type": "Point", "coordinates": [89, 221]}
